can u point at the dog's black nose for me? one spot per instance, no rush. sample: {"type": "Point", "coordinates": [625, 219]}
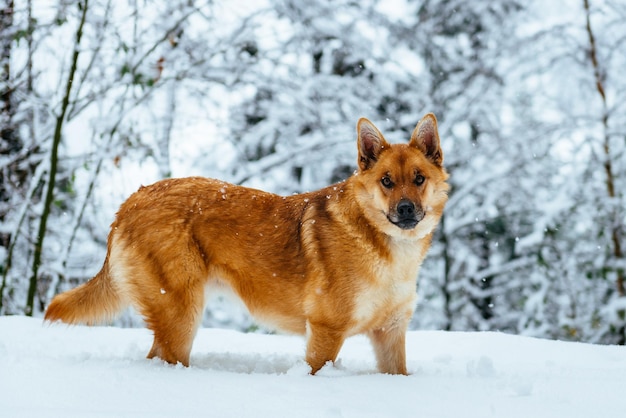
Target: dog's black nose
{"type": "Point", "coordinates": [406, 210]}
{"type": "Point", "coordinates": [407, 215]}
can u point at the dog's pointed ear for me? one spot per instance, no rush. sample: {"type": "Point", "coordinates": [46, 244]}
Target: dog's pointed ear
{"type": "Point", "coordinates": [370, 142]}
{"type": "Point", "coordinates": [425, 137]}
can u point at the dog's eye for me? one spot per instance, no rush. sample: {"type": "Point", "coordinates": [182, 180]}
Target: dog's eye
{"type": "Point", "coordinates": [386, 181]}
{"type": "Point", "coordinates": [419, 179]}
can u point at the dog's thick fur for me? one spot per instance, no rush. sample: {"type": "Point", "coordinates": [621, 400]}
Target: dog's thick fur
{"type": "Point", "coordinates": [330, 264]}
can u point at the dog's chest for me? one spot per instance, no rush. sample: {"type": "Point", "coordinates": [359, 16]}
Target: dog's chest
{"type": "Point", "coordinates": [389, 294]}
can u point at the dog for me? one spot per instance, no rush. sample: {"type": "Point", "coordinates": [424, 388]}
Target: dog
{"type": "Point", "coordinates": [327, 264]}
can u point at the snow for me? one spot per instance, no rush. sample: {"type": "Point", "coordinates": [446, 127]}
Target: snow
{"type": "Point", "coordinates": [61, 371]}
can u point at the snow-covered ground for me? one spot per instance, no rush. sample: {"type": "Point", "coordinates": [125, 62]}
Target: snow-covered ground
{"type": "Point", "coordinates": [61, 371]}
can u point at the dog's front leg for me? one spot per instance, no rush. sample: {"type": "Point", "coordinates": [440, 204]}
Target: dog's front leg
{"type": "Point", "coordinates": [323, 345]}
{"type": "Point", "coordinates": [390, 348]}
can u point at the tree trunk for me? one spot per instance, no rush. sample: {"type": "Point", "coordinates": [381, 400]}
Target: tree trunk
{"type": "Point", "coordinates": [56, 140]}
{"type": "Point", "coordinates": [615, 221]}
{"type": "Point", "coordinates": [447, 280]}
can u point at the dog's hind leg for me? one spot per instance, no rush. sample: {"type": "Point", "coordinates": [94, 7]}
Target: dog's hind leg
{"type": "Point", "coordinates": [169, 294]}
{"type": "Point", "coordinates": [323, 345]}
{"type": "Point", "coordinates": [175, 323]}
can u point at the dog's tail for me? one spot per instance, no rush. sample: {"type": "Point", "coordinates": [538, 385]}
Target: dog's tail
{"type": "Point", "coordinates": [95, 302]}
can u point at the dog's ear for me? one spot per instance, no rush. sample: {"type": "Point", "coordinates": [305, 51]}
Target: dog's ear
{"type": "Point", "coordinates": [425, 137]}
{"type": "Point", "coordinates": [370, 142]}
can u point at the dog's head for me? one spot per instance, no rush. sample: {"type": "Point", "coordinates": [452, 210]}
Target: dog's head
{"type": "Point", "coordinates": [402, 187]}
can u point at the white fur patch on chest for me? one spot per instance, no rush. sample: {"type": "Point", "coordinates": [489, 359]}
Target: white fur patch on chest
{"type": "Point", "coordinates": [382, 302]}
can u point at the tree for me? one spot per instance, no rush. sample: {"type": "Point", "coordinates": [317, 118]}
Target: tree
{"type": "Point", "coordinates": [568, 69]}
{"type": "Point", "coordinates": [615, 209]}
{"type": "Point", "coordinates": [18, 178]}
{"type": "Point", "coordinates": [10, 143]}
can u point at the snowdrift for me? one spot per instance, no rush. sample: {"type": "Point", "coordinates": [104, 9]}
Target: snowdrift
{"type": "Point", "coordinates": [61, 371]}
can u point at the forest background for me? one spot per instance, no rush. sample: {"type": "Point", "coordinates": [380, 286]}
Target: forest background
{"type": "Point", "coordinates": [99, 96]}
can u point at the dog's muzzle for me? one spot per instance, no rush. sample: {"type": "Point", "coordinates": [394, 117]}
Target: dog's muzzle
{"type": "Point", "coordinates": [406, 215]}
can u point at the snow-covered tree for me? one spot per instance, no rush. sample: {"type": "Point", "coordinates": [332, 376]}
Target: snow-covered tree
{"type": "Point", "coordinates": [580, 275]}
